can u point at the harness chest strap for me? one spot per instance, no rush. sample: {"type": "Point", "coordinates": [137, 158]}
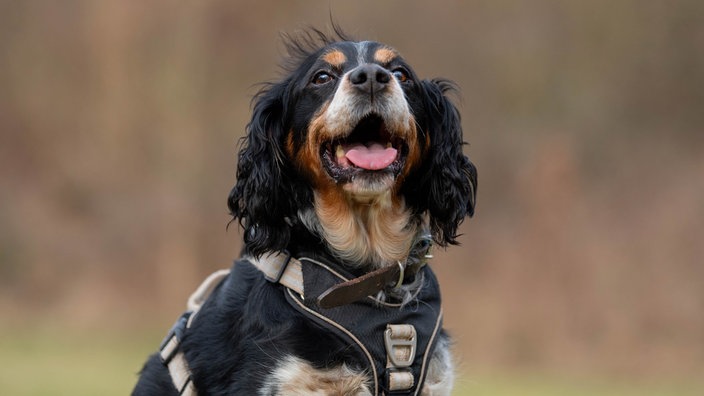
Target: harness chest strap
{"type": "Point", "coordinates": [287, 270]}
{"type": "Point", "coordinates": [281, 268]}
{"type": "Point", "coordinates": [170, 353]}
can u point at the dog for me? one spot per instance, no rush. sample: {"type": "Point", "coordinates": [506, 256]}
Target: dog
{"type": "Point", "coordinates": [352, 167]}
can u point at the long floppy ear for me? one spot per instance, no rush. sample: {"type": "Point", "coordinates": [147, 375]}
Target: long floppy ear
{"type": "Point", "coordinates": [263, 198]}
{"type": "Point", "coordinates": [449, 183]}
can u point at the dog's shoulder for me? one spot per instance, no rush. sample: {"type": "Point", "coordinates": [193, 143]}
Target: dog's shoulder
{"type": "Point", "coordinates": [247, 331]}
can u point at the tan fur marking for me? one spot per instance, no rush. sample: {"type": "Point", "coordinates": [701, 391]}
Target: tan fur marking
{"type": "Point", "coordinates": [375, 232]}
{"type": "Point", "coordinates": [296, 377]}
{"type": "Point", "coordinates": [289, 144]}
{"type": "Point", "coordinates": [415, 155]}
{"type": "Point", "coordinates": [308, 159]}
{"type": "Point", "coordinates": [385, 55]}
{"type": "Point", "coordinates": [335, 58]}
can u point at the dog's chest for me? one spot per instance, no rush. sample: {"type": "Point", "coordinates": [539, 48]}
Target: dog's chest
{"type": "Point", "coordinates": [392, 343]}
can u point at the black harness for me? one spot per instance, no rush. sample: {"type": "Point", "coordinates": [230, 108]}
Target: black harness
{"type": "Point", "coordinates": [394, 342]}
{"type": "Point", "coordinates": [399, 361]}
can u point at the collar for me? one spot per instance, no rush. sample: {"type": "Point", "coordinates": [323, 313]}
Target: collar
{"type": "Point", "coordinates": [283, 268]}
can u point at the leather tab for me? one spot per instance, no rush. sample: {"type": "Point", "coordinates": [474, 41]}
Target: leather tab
{"type": "Point", "coordinates": [358, 288]}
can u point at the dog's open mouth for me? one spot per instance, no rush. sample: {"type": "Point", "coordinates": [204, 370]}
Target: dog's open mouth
{"type": "Point", "coordinates": [369, 149]}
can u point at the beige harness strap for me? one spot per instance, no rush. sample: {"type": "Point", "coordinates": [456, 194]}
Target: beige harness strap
{"type": "Point", "coordinates": [170, 353]}
{"type": "Point", "coordinates": [282, 268]}
{"type": "Point", "coordinates": [181, 375]}
{"type": "Point", "coordinates": [197, 299]}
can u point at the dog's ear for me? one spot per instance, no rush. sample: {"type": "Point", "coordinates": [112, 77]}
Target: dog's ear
{"type": "Point", "coordinates": [448, 182]}
{"type": "Point", "coordinates": [262, 198]}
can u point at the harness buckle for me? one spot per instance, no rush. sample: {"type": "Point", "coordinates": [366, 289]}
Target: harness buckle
{"type": "Point", "coordinates": [400, 342]}
{"type": "Point", "coordinates": [169, 346]}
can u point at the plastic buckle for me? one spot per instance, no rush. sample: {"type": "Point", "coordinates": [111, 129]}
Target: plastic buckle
{"type": "Point", "coordinates": [400, 342]}
{"type": "Point", "coordinates": [282, 268]}
{"type": "Point", "coordinates": [169, 346]}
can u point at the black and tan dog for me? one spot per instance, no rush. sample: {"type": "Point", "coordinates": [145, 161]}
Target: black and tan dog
{"type": "Point", "coordinates": [351, 167]}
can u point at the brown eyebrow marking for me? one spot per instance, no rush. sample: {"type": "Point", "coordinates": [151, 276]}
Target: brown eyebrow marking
{"type": "Point", "coordinates": [335, 58]}
{"type": "Point", "coordinates": [385, 55]}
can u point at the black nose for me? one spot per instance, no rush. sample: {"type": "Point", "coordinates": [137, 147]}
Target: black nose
{"type": "Point", "coordinates": [370, 78]}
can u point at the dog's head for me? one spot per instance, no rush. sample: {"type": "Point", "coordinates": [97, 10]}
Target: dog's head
{"type": "Point", "coordinates": [351, 125]}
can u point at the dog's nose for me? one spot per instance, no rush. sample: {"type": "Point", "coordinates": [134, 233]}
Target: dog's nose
{"type": "Point", "coordinates": [370, 78]}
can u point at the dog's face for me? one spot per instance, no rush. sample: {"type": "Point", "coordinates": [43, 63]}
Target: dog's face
{"type": "Point", "coordinates": [352, 136]}
{"type": "Point", "coordinates": [355, 129]}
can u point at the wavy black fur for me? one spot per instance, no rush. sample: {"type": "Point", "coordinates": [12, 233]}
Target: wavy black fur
{"type": "Point", "coordinates": [267, 192]}
{"type": "Point", "coordinates": [448, 184]}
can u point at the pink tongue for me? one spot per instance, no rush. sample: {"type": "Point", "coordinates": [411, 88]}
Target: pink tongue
{"type": "Point", "coordinates": [374, 157]}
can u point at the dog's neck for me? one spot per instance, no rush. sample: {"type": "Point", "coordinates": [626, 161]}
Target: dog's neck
{"type": "Point", "coordinates": [373, 232]}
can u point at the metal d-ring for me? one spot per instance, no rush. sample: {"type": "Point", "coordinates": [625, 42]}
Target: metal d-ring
{"type": "Point", "coordinates": [402, 270]}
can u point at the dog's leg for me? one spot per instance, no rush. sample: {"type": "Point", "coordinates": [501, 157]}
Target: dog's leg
{"type": "Point", "coordinates": [441, 374]}
{"type": "Point", "coordinates": [296, 377]}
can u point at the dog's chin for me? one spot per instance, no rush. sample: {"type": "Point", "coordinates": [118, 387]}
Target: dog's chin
{"type": "Point", "coordinates": [365, 187]}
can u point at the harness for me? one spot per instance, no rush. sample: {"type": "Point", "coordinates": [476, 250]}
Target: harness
{"type": "Point", "coordinates": [169, 351]}
{"type": "Point", "coordinates": [393, 342]}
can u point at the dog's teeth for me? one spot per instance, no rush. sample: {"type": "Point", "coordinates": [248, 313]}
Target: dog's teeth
{"type": "Point", "coordinates": [339, 152]}
{"type": "Point", "coordinates": [388, 145]}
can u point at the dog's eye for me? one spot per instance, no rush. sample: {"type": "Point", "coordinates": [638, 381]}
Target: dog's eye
{"type": "Point", "coordinates": [401, 75]}
{"type": "Point", "coordinates": [322, 78]}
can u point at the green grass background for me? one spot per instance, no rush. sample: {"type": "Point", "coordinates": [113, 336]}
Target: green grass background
{"type": "Point", "coordinates": [46, 362]}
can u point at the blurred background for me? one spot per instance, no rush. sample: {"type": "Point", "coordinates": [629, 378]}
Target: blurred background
{"type": "Point", "coordinates": [582, 272]}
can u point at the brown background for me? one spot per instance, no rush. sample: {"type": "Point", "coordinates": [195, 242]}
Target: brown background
{"type": "Point", "coordinates": [119, 124]}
